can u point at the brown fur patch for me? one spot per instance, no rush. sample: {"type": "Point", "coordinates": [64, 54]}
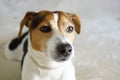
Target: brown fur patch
{"type": "Point", "coordinates": [40, 18]}
{"type": "Point", "coordinates": [63, 23]}
{"type": "Point", "coordinates": [39, 39]}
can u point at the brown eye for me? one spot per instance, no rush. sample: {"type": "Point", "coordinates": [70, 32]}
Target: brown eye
{"type": "Point", "coordinates": [45, 29]}
{"type": "Point", "coordinates": [69, 29]}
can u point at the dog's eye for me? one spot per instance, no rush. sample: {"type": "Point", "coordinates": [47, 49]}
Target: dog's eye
{"type": "Point", "coordinates": [69, 29]}
{"type": "Point", "coordinates": [45, 29]}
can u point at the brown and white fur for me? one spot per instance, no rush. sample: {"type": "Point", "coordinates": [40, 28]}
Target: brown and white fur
{"type": "Point", "coordinates": [45, 50]}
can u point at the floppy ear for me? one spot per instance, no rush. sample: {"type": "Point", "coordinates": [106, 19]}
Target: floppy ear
{"type": "Point", "coordinates": [26, 21]}
{"type": "Point", "coordinates": [76, 21]}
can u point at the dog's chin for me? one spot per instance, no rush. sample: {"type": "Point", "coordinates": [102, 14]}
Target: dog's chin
{"type": "Point", "coordinates": [62, 58]}
{"type": "Point", "coordinates": [56, 57]}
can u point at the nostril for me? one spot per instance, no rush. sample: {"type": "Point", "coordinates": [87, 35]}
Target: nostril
{"type": "Point", "coordinates": [63, 50]}
{"type": "Point", "coordinates": [70, 50]}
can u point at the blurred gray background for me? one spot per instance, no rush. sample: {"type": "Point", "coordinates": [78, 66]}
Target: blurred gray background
{"type": "Point", "coordinates": [97, 48]}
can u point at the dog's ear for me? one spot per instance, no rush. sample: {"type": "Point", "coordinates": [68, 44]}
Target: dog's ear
{"type": "Point", "coordinates": [26, 21]}
{"type": "Point", "coordinates": [76, 21]}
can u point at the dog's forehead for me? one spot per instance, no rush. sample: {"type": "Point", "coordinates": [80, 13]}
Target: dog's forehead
{"type": "Point", "coordinates": [40, 17]}
{"type": "Point", "coordinates": [47, 16]}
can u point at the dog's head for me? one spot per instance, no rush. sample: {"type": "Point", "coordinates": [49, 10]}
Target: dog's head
{"type": "Point", "coordinates": [52, 33]}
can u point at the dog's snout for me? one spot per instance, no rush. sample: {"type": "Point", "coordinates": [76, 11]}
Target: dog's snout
{"type": "Point", "coordinates": [64, 49]}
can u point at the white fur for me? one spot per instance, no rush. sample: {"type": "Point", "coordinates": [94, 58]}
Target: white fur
{"type": "Point", "coordinates": [42, 66]}
{"type": "Point", "coordinates": [57, 71]}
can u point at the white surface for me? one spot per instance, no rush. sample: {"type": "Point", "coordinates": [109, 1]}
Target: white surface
{"type": "Point", "coordinates": [97, 49]}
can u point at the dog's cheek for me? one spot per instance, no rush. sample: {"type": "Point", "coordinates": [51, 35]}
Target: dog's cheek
{"type": "Point", "coordinates": [51, 48]}
{"type": "Point", "coordinates": [37, 41]}
{"type": "Point", "coordinates": [71, 36]}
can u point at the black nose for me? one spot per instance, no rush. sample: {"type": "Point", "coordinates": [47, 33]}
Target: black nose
{"type": "Point", "coordinates": [64, 49]}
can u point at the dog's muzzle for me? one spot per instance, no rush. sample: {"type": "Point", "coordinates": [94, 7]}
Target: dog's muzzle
{"type": "Point", "coordinates": [64, 51]}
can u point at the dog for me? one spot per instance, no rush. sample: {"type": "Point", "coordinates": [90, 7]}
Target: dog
{"type": "Point", "coordinates": [46, 49]}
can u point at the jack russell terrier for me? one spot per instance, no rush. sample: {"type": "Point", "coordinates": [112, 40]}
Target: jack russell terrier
{"type": "Point", "coordinates": [45, 50]}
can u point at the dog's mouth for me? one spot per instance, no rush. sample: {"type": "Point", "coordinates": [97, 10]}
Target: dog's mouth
{"type": "Point", "coordinates": [61, 58]}
{"type": "Point", "coordinates": [57, 57]}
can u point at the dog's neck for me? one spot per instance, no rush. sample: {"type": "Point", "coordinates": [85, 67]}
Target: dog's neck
{"type": "Point", "coordinates": [40, 60]}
